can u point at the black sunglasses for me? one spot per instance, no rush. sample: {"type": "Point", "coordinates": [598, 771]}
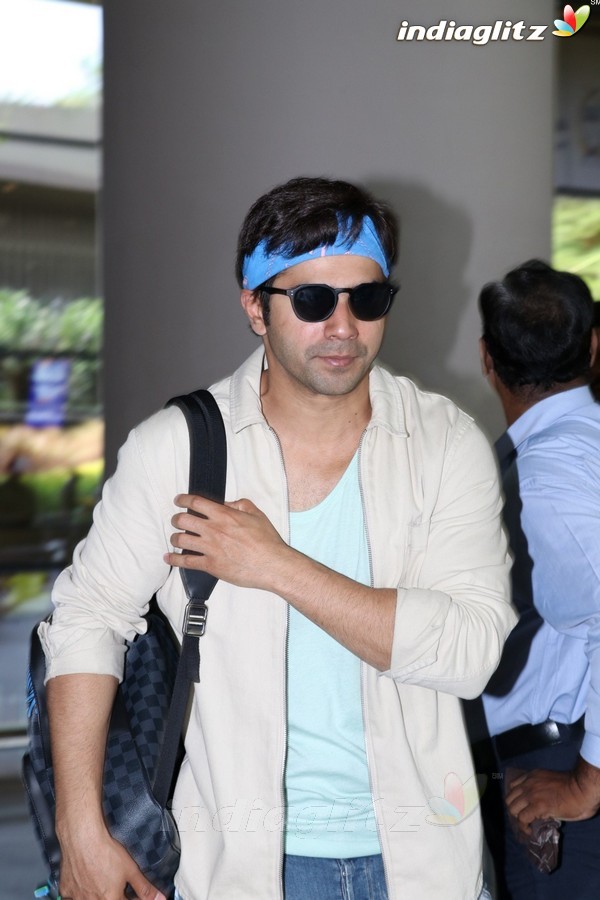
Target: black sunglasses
{"type": "Point", "coordinates": [317, 302]}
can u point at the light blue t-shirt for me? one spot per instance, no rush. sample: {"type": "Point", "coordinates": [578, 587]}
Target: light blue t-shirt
{"type": "Point", "coordinates": [329, 806]}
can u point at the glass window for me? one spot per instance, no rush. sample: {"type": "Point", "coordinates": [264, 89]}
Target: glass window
{"type": "Point", "coordinates": [51, 428]}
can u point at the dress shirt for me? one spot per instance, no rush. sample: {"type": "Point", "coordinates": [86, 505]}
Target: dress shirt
{"type": "Point", "coordinates": [550, 462]}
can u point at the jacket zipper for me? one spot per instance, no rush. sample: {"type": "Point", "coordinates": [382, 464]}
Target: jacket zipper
{"type": "Point", "coordinates": [285, 654]}
{"type": "Point", "coordinates": [363, 675]}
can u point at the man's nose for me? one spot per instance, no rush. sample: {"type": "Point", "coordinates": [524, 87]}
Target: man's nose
{"type": "Point", "coordinates": [341, 324]}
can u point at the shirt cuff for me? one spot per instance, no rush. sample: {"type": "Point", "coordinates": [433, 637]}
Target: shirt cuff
{"type": "Point", "coordinates": [419, 625]}
{"type": "Point", "coordinates": [94, 654]}
{"type": "Point", "coordinates": [590, 749]}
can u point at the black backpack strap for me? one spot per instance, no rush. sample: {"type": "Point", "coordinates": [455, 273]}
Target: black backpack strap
{"type": "Point", "coordinates": [208, 470]}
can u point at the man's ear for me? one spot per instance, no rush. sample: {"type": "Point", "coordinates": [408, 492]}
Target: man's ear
{"type": "Point", "coordinates": [594, 345]}
{"type": "Point", "coordinates": [252, 306]}
{"type": "Point", "coordinates": [487, 363]}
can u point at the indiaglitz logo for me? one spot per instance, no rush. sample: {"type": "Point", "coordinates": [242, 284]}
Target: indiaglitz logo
{"type": "Point", "coordinates": [479, 35]}
{"type": "Point", "coordinates": [459, 800]}
{"type": "Point", "coordinates": [448, 30]}
{"type": "Point", "coordinates": [573, 21]}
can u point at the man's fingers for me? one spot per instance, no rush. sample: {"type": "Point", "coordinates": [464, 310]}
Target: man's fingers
{"type": "Point", "coordinates": [513, 796]}
{"type": "Point", "coordinates": [143, 889]}
{"type": "Point", "coordinates": [521, 814]}
{"type": "Point", "coordinates": [140, 884]}
{"type": "Point", "coordinates": [184, 541]}
{"type": "Point", "coordinates": [517, 781]}
{"type": "Point", "coordinates": [243, 505]}
{"type": "Point", "coordinates": [221, 516]}
{"type": "Point", "coordinates": [193, 560]}
{"type": "Point", "coordinates": [187, 521]}
{"type": "Point", "coordinates": [517, 808]}
{"type": "Point", "coordinates": [197, 504]}
{"type": "Point", "coordinates": [203, 506]}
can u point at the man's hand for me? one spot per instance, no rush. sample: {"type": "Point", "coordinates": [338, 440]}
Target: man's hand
{"type": "Point", "coordinates": [542, 794]}
{"type": "Point", "coordinates": [101, 870]}
{"type": "Point", "coordinates": [93, 865]}
{"type": "Point", "coordinates": [237, 542]}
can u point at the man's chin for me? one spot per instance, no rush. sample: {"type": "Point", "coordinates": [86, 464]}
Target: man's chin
{"type": "Point", "coordinates": [338, 382]}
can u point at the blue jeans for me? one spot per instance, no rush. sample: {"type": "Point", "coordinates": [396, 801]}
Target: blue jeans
{"type": "Point", "coordinates": [359, 878]}
{"type": "Point", "coordinates": [362, 878]}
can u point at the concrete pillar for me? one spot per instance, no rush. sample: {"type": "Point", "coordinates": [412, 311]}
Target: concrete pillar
{"type": "Point", "coordinates": [210, 104]}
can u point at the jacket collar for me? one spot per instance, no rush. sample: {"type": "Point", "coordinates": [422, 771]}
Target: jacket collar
{"type": "Point", "coordinates": [386, 400]}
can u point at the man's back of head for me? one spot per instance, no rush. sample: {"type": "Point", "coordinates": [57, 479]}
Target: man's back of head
{"type": "Point", "coordinates": [537, 328]}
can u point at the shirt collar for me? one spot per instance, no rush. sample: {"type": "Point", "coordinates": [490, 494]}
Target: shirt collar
{"type": "Point", "coordinates": [547, 411]}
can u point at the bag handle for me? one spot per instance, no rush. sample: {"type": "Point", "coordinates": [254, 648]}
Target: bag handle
{"type": "Point", "coordinates": [208, 472]}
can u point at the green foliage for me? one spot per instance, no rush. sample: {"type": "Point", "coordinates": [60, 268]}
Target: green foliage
{"type": "Point", "coordinates": [90, 479]}
{"type": "Point", "coordinates": [48, 486]}
{"type": "Point", "coordinates": [20, 588]}
{"type": "Point", "coordinates": [44, 328]}
{"type": "Point", "coordinates": [576, 238]}
{"type": "Point", "coordinates": [34, 327]}
{"type": "Point", "coordinates": [17, 313]}
{"type": "Point", "coordinates": [81, 325]}
{"type": "Point", "coordinates": [55, 327]}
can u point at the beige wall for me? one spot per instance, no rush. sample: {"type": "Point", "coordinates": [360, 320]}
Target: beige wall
{"type": "Point", "coordinates": [209, 104]}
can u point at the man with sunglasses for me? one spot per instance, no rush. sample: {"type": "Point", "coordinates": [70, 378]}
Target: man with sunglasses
{"type": "Point", "coordinates": [362, 593]}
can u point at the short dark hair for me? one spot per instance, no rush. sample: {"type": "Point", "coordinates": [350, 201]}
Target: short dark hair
{"type": "Point", "coordinates": [305, 213]}
{"type": "Point", "coordinates": [537, 327]}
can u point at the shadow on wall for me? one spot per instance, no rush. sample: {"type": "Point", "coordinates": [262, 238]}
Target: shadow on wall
{"type": "Point", "coordinates": [435, 248]}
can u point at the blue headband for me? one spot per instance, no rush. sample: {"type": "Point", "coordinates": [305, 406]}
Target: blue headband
{"type": "Point", "coordinates": [259, 267]}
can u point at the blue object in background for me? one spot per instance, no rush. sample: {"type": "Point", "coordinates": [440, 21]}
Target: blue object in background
{"type": "Point", "coordinates": [48, 392]}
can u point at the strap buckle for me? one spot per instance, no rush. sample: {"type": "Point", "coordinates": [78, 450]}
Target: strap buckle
{"type": "Point", "coordinates": [194, 622]}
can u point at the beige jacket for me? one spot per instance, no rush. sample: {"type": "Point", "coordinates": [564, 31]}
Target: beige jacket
{"type": "Point", "coordinates": [432, 508]}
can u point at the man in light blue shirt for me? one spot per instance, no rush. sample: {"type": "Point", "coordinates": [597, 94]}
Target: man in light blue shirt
{"type": "Point", "coordinates": [543, 704]}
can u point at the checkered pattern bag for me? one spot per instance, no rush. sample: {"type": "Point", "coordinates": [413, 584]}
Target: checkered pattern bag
{"type": "Point", "coordinates": [136, 735]}
{"type": "Point", "coordinates": [144, 737]}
